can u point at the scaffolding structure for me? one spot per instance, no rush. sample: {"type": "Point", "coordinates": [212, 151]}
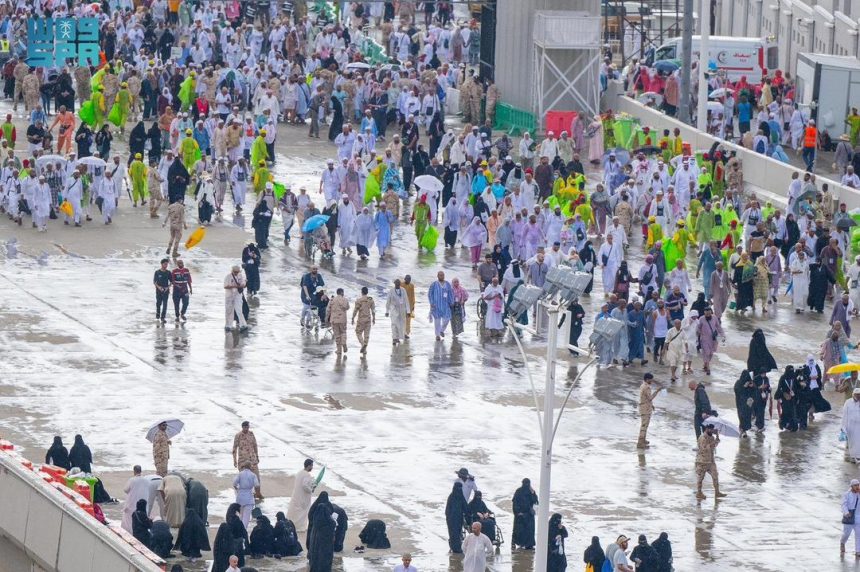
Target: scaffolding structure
{"type": "Point", "coordinates": [566, 62]}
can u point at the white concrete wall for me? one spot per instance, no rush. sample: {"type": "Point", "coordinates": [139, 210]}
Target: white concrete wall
{"type": "Point", "coordinates": [43, 531]}
{"type": "Point", "coordinates": [821, 26]}
{"type": "Point", "coordinates": [762, 172]}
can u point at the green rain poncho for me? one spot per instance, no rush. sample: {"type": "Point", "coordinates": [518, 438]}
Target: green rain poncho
{"type": "Point", "coordinates": [189, 150]}
{"type": "Point", "coordinates": [259, 152]}
{"type": "Point", "coordinates": [186, 91]}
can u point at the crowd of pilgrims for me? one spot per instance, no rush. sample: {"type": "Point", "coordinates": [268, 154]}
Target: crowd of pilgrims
{"type": "Point", "coordinates": [183, 503]}
{"type": "Point", "coordinates": [466, 505]}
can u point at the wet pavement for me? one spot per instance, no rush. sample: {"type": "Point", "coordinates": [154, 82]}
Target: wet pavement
{"type": "Point", "coordinates": [83, 354]}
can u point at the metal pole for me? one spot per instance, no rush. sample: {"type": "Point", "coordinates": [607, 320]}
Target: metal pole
{"type": "Point", "coordinates": [686, 62]}
{"type": "Point", "coordinates": [546, 442]}
{"type": "Point", "coordinates": [704, 58]}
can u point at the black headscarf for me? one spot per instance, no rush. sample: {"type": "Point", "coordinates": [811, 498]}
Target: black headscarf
{"type": "Point", "coordinates": [262, 538]}
{"type": "Point", "coordinates": [198, 499]}
{"type": "Point", "coordinates": [137, 139]}
{"type": "Point", "coordinates": [222, 548]}
{"type": "Point", "coordinates": [700, 304]}
{"type": "Point", "coordinates": [373, 535]}
{"type": "Point", "coordinates": [321, 531]}
{"type": "Point", "coordinates": [587, 253]}
{"type": "Point", "coordinates": [162, 539]}
{"type": "Point", "coordinates": [238, 531]}
{"type": "Point", "coordinates": [664, 553]}
{"type": "Point", "coordinates": [286, 541]}
{"type": "Point", "coordinates": [80, 455]}
{"type": "Point", "coordinates": [594, 554]}
{"type": "Point", "coordinates": [141, 523]}
{"type": "Point", "coordinates": [759, 358]}
{"type": "Point", "coordinates": [477, 504]}
{"type": "Point", "coordinates": [322, 499]}
{"type": "Point", "coordinates": [58, 455]}
{"type": "Point", "coordinates": [342, 525]}
{"type": "Point", "coordinates": [192, 536]}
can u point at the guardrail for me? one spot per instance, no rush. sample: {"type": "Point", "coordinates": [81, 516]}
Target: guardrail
{"type": "Point", "coordinates": [514, 120]}
{"type": "Point", "coordinates": [760, 171]}
{"type": "Point", "coordinates": [48, 525]}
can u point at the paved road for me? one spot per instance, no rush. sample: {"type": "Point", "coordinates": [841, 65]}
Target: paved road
{"type": "Point", "coordinates": [82, 354]}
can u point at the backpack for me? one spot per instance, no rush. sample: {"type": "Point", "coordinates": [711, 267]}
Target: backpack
{"type": "Point", "coordinates": [607, 566]}
{"type": "Point", "coordinates": [760, 148]}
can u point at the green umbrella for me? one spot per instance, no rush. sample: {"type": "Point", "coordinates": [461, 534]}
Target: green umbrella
{"type": "Point", "coordinates": [319, 477]}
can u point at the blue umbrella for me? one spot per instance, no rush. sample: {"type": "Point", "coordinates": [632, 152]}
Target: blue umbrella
{"type": "Point", "coordinates": [666, 66]}
{"type": "Point", "coordinates": [314, 222]}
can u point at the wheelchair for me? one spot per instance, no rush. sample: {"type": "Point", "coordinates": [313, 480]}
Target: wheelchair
{"type": "Point", "coordinates": [314, 243]}
{"type": "Point", "coordinates": [496, 538]}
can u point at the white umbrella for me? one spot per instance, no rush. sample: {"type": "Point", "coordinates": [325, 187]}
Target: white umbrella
{"type": "Point", "coordinates": [92, 161]}
{"type": "Point", "coordinates": [720, 92]}
{"type": "Point", "coordinates": [723, 426]}
{"type": "Point", "coordinates": [715, 107]}
{"type": "Point", "coordinates": [174, 426]}
{"type": "Point", "coordinates": [428, 183]}
{"type": "Point", "coordinates": [651, 96]}
{"type": "Point", "coordinates": [358, 66]}
{"type": "Point", "coordinates": [52, 159]}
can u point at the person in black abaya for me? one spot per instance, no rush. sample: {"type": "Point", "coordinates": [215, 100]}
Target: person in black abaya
{"type": "Point", "coordinates": [524, 502]}
{"type": "Point", "coordinates": [342, 525]}
{"type": "Point", "coordinates": [286, 541]}
{"type": "Point", "coordinates": [84, 140]}
{"type": "Point", "coordinates": [197, 498]}
{"type": "Point", "coordinates": [162, 539]}
{"type": "Point", "coordinates": [192, 536]}
{"type": "Point", "coordinates": [556, 560]}
{"type": "Point", "coordinates": [594, 555]}
{"type": "Point", "coordinates": [644, 555]}
{"type": "Point", "coordinates": [154, 136]}
{"type": "Point", "coordinates": [663, 548]}
{"type": "Point", "coordinates": [817, 287]}
{"type": "Point", "coordinates": [336, 118]}
{"type": "Point", "coordinates": [238, 531]}
{"type": "Point", "coordinates": [759, 358]}
{"type": "Point", "coordinates": [700, 304]}
{"type": "Point", "coordinates": [760, 399]}
{"type": "Point", "coordinates": [261, 221]}
{"type": "Point", "coordinates": [373, 535]}
{"type": "Point", "coordinates": [456, 511]}
{"type": "Point", "coordinates": [787, 397]}
{"type": "Point", "coordinates": [744, 399]}
{"type": "Point", "coordinates": [251, 265]}
{"type": "Point", "coordinates": [587, 255]}
{"type": "Point", "coordinates": [222, 548]}
{"type": "Point", "coordinates": [321, 531]}
{"type": "Point", "coordinates": [141, 524]}
{"type": "Point", "coordinates": [262, 538]}
{"type": "Point", "coordinates": [177, 181]}
{"type": "Point", "coordinates": [136, 141]}
{"type": "Point", "coordinates": [80, 456]}
{"type": "Point", "coordinates": [58, 455]}
{"type": "Point", "coordinates": [480, 512]}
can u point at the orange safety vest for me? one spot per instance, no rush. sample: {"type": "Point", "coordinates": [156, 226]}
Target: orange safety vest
{"type": "Point", "coordinates": [810, 137]}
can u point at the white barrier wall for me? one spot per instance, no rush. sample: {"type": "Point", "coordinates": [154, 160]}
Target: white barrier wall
{"type": "Point", "coordinates": [42, 531]}
{"type": "Point", "coordinates": [762, 172]}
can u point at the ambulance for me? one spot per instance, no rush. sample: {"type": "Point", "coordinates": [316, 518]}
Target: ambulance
{"type": "Point", "coordinates": [750, 57]}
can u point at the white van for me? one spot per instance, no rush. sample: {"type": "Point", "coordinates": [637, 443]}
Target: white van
{"type": "Point", "coordinates": [750, 57]}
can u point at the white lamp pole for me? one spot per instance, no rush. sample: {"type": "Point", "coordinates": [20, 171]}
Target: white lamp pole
{"type": "Point", "coordinates": [704, 58]}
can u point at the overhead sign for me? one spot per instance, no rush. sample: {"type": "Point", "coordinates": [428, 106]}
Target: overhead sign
{"type": "Point", "coordinates": [52, 42]}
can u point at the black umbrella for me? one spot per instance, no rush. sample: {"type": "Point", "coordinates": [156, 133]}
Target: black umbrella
{"type": "Point", "coordinates": [845, 223]}
{"type": "Point", "coordinates": [648, 150]}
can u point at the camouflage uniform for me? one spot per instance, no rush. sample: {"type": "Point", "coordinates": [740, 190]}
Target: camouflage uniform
{"type": "Point", "coordinates": [245, 449]}
{"type": "Point", "coordinates": [705, 463]}
{"type": "Point", "coordinates": [83, 88]}
{"type": "Point", "coordinates": [365, 311]}
{"type": "Point", "coordinates": [110, 83]}
{"type": "Point", "coordinates": [134, 85]}
{"type": "Point", "coordinates": [30, 86]}
{"type": "Point", "coordinates": [19, 73]}
{"type": "Point", "coordinates": [161, 452]}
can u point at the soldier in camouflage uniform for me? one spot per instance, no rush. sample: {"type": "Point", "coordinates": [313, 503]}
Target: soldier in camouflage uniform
{"type": "Point", "coordinates": [83, 87]}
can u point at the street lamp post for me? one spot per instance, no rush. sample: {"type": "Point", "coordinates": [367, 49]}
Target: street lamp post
{"type": "Point", "coordinates": [563, 285]}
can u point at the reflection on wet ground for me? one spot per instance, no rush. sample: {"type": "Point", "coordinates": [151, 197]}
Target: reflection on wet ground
{"type": "Point", "coordinates": [82, 354]}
